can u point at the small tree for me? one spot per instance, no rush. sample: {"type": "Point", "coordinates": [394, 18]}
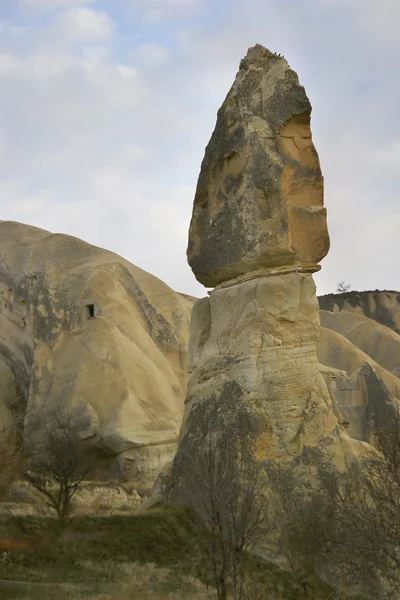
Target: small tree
{"type": "Point", "coordinates": [60, 466]}
{"type": "Point", "coordinates": [343, 287]}
{"type": "Point", "coordinates": [348, 526]}
{"type": "Point", "coordinates": [11, 457]}
{"type": "Point", "coordinates": [218, 476]}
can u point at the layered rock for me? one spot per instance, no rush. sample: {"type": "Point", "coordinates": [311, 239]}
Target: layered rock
{"type": "Point", "coordinates": [382, 306]}
{"type": "Point", "coordinates": [257, 233]}
{"type": "Point", "coordinates": [82, 327]}
{"type": "Point", "coordinates": [350, 348]}
{"type": "Point", "coordinates": [259, 198]}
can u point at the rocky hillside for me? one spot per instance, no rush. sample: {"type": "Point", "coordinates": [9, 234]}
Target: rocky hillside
{"type": "Point", "coordinates": [381, 306]}
{"type": "Point", "coordinates": [360, 328]}
{"type": "Point", "coordinates": [82, 327]}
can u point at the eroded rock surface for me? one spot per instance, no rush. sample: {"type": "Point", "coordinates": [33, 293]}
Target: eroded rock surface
{"type": "Point", "coordinates": [351, 343]}
{"type": "Point", "coordinates": [259, 198]}
{"type": "Point", "coordinates": [382, 306]}
{"type": "Point", "coordinates": [257, 233]}
{"type": "Point", "coordinates": [82, 327]}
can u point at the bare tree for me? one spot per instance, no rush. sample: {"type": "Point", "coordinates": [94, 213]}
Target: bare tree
{"type": "Point", "coordinates": [218, 476]}
{"type": "Point", "coordinates": [348, 526]}
{"type": "Point", "coordinates": [343, 287]}
{"type": "Point", "coordinates": [60, 465]}
{"type": "Point", "coordinates": [11, 457]}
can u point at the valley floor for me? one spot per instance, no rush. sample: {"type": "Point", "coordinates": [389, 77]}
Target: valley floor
{"type": "Point", "coordinates": [130, 557]}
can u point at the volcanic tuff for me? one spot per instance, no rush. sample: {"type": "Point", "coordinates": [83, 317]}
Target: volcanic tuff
{"type": "Point", "coordinates": [82, 327]}
{"type": "Point", "coordinates": [259, 198]}
{"type": "Point", "coordinates": [51, 352]}
{"type": "Point", "coordinates": [257, 233]}
{"type": "Point", "coordinates": [382, 306]}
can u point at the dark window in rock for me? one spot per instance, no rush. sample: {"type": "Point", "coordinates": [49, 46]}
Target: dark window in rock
{"type": "Point", "coordinates": [90, 311]}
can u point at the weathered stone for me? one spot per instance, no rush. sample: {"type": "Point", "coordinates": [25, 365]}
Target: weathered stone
{"type": "Point", "coordinates": [259, 198]}
{"type": "Point", "coordinates": [381, 343]}
{"type": "Point", "coordinates": [262, 335]}
{"type": "Point", "coordinates": [257, 233]}
{"type": "Point", "coordinates": [336, 351]}
{"type": "Point", "coordinates": [382, 306]}
{"type": "Point", "coordinates": [125, 367]}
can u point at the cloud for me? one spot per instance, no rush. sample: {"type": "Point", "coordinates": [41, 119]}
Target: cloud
{"type": "Point", "coordinates": [381, 20]}
{"type": "Point", "coordinates": [86, 24]}
{"type": "Point", "coordinates": [165, 10]}
{"type": "Point", "coordinates": [153, 54]}
{"type": "Point", "coordinates": [53, 4]}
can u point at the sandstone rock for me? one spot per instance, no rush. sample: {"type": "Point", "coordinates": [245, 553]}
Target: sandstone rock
{"type": "Point", "coordinates": [80, 326]}
{"type": "Point", "coordinates": [347, 347]}
{"type": "Point", "coordinates": [257, 233]}
{"type": "Point", "coordinates": [262, 335]}
{"type": "Point", "coordinates": [259, 197]}
{"type": "Point", "coordinates": [100, 498]}
{"type": "Point", "coordinates": [382, 306]}
{"type": "Point", "coordinates": [334, 350]}
{"type": "Point", "coordinates": [379, 342]}
{"type": "Point", "coordinates": [356, 397]}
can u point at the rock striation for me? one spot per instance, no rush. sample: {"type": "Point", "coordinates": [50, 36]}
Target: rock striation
{"type": "Point", "coordinates": [81, 327]}
{"type": "Point", "coordinates": [258, 232]}
{"type": "Point", "coordinates": [382, 306]}
{"type": "Point", "coordinates": [354, 352]}
{"type": "Point", "coordinates": [258, 206]}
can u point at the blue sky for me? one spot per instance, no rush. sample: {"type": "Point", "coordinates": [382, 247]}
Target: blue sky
{"type": "Point", "coordinates": [106, 107]}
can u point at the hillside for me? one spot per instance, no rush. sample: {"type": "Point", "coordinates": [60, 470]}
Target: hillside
{"type": "Point", "coordinates": [80, 326]}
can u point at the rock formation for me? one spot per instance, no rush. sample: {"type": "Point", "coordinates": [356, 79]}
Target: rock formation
{"type": "Point", "coordinates": [258, 208]}
{"type": "Point", "coordinates": [258, 232]}
{"type": "Point", "coordinates": [379, 342]}
{"type": "Point", "coordinates": [80, 326]}
{"type": "Point", "coordinates": [382, 306]}
{"type": "Point", "coordinates": [354, 352]}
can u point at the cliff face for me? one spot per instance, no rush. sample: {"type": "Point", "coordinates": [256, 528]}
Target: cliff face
{"type": "Point", "coordinates": [351, 345]}
{"type": "Point", "coordinates": [382, 306]}
{"type": "Point", "coordinates": [257, 233]}
{"type": "Point", "coordinates": [80, 326]}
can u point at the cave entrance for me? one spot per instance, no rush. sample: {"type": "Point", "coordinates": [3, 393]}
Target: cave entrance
{"type": "Point", "coordinates": [90, 311]}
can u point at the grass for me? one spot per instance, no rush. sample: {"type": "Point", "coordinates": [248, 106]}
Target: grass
{"type": "Point", "coordinates": [153, 555]}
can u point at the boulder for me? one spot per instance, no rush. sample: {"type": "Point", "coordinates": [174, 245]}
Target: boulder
{"type": "Point", "coordinates": [259, 199]}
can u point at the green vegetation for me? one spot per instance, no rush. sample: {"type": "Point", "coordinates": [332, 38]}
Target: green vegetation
{"type": "Point", "coordinates": [153, 555]}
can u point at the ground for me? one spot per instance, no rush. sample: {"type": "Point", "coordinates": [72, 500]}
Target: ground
{"type": "Point", "coordinates": [125, 557]}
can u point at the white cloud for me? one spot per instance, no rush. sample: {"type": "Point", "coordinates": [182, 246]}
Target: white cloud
{"type": "Point", "coordinates": [127, 72]}
{"type": "Point", "coordinates": [18, 30]}
{"type": "Point", "coordinates": [86, 24]}
{"type": "Point", "coordinates": [9, 64]}
{"type": "Point", "coordinates": [52, 4]}
{"type": "Point", "coordinates": [154, 53]}
{"type": "Point", "coordinates": [166, 10]}
{"type": "Point", "coordinates": [381, 19]}
{"type": "Point", "coordinates": [387, 159]}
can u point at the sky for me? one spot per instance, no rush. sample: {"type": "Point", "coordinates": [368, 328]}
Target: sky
{"type": "Point", "coordinates": [106, 107]}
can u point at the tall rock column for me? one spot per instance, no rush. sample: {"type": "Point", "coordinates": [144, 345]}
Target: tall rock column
{"type": "Point", "coordinates": [258, 232]}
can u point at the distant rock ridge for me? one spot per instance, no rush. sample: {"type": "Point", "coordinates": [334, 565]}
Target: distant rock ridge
{"type": "Point", "coordinates": [382, 306]}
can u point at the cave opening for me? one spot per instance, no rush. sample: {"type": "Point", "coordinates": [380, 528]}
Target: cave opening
{"type": "Point", "coordinates": [90, 311]}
